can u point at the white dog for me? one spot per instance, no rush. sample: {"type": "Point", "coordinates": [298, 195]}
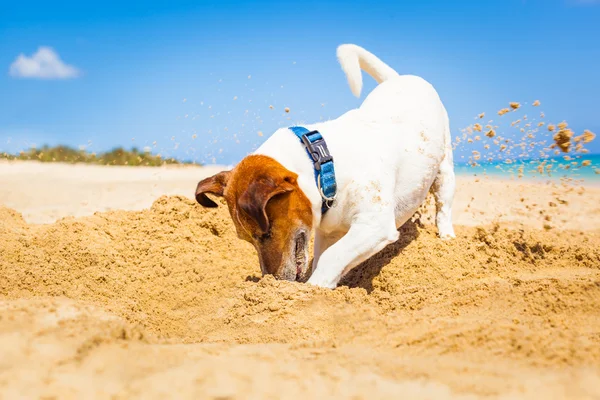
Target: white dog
{"type": "Point", "coordinates": [387, 155]}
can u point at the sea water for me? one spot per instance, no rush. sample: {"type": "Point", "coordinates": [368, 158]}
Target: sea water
{"type": "Point", "coordinates": [501, 169]}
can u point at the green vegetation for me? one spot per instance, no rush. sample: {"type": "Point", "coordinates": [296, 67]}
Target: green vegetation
{"type": "Point", "coordinates": [118, 156]}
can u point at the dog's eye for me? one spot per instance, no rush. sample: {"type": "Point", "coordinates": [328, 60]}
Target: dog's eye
{"type": "Point", "coordinates": [264, 237]}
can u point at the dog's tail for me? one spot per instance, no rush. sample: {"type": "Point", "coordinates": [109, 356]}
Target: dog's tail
{"type": "Point", "coordinates": [353, 58]}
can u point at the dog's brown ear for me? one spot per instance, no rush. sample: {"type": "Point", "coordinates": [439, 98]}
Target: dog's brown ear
{"type": "Point", "coordinates": [254, 200]}
{"type": "Point", "coordinates": [215, 184]}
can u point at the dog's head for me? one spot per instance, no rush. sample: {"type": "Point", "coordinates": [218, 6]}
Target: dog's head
{"type": "Point", "coordinates": [269, 210]}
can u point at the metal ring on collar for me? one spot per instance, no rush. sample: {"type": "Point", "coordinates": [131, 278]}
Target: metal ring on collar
{"type": "Point", "coordinates": [328, 200]}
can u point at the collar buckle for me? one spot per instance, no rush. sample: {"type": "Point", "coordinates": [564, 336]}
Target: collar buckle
{"type": "Point", "coordinates": [318, 150]}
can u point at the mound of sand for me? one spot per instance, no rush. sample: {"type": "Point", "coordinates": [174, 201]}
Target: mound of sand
{"type": "Point", "coordinates": [167, 301]}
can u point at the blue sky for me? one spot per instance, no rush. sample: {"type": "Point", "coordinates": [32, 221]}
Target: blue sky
{"type": "Point", "coordinates": [195, 79]}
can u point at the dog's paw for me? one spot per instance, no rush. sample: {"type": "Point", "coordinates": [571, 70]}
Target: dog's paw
{"type": "Point", "coordinates": [447, 236]}
{"type": "Point", "coordinates": [322, 283]}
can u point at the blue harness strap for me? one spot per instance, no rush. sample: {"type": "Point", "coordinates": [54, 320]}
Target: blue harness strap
{"type": "Point", "coordinates": [323, 163]}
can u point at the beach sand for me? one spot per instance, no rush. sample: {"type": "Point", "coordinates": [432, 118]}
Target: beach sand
{"type": "Point", "coordinates": [114, 283]}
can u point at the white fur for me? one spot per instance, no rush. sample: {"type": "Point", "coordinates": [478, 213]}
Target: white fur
{"type": "Point", "coordinates": [388, 153]}
{"type": "Point", "coordinates": [353, 58]}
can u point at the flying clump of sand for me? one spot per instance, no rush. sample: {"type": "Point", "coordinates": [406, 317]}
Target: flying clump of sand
{"type": "Point", "coordinates": [168, 302]}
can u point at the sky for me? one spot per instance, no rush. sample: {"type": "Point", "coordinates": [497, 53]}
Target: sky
{"type": "Point", "coordinates": [210, 81]}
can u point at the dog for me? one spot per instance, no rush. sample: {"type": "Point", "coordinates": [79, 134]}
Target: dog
{"type": "Point", "coordinates": [385, 157]}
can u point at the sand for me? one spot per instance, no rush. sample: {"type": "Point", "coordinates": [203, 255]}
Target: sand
{"type": "Point", "coordinates": [45, 192]}
{"type": "Point", "coordinates": [165, 301]}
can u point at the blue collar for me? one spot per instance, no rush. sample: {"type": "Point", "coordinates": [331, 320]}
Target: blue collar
{"type": "Point", "coordinates": [323, 163]}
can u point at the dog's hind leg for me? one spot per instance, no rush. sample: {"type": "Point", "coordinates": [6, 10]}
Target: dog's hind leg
{"type": "Point", "coordinates": [443, 190]}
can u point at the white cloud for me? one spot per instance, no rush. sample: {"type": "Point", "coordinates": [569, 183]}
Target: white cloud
{"type": "Point", "coordinates": [43, 64]}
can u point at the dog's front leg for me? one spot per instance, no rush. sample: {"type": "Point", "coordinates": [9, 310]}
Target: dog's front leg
{"type": "Point", "coordinates": [367, 236]}
{"type": "Point", "coordinates": [322, 243]}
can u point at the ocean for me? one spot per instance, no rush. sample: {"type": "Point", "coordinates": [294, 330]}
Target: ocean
{"type": "Point", "coordinates": [590, 173]}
